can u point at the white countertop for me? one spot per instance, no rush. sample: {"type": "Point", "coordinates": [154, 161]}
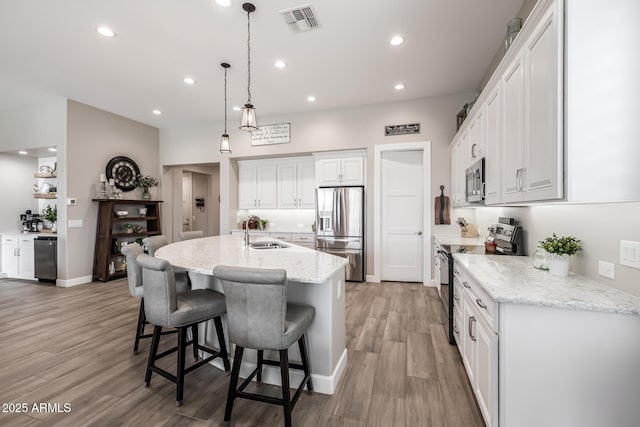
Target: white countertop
{"type": "Point", "coordinates": [20, 233]}
{"type": "Point", "coordinates": [455, 239]}
{"type": "Point", "coordinates": [284, 230]}
{"type": "Point", "coordinates": [512, 279]}
{"type": "Point", "coordinates": [202, 255]}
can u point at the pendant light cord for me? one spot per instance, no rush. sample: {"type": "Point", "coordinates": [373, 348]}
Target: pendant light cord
{"type": "Point", "coordinates": [249, 56]}
{"type": "Point", "coordinates": [225, 100]}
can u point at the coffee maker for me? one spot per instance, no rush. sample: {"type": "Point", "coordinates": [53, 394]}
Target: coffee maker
{"type": "Point", "coordinates": [508, 237]}
{"type": "Point", "coordinates": [31, 223]}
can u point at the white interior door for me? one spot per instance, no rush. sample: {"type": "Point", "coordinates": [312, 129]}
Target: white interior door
{"type": "Point", "coordinates": [186, 201]}
{"type": "Point", "coordinates": [402, 216]}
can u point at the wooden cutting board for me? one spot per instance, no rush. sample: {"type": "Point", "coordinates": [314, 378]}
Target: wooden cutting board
{"type": "Point", "coordinates": [442, 211]}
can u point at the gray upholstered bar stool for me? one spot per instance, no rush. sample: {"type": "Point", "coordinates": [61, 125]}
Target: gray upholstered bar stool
{"type": "Point", "coordinates": [188, 235]}
{"type": "Point", "coordinates": [134, 277]}
{"type": "Point", "coordinates": [164, 307]}
{"type": "Point", "coordinates": [259, 317]}
{"type": "Point", "coordinates": [154, 243]}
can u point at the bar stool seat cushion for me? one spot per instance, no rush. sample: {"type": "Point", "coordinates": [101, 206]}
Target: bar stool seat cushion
{"type": "Point", "coordinates": [196, 305]}
{"type": "Point", "coordinates": [298, 319]}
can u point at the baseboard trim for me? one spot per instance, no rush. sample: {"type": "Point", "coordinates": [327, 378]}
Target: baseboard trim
{"type": "Point", "coordinates": [3, 275]}
{"type": "Point", "coordinates": [372, 278]}
{"type": "Point", "coordinates": [324, 384]}
{"type": "Point", "coordinates": [67, 283]}
{"type": "Point", "coordinates": [431, 284]}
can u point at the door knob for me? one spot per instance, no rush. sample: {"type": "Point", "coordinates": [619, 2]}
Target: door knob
{"type": "Point", "coordinates": [419, 233]}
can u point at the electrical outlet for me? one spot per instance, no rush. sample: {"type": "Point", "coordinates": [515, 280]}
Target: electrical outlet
{"type": "Point", "coordinates": [630, 253]}
{"type": "Point", "coordinates": [607, 269]}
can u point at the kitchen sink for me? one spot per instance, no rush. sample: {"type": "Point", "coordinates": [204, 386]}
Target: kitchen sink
{"type": "Point", "coordinates": [267, 245]}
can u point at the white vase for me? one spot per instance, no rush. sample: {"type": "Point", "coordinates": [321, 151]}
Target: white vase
{"type": "Point", "coordinates": [558, 264]}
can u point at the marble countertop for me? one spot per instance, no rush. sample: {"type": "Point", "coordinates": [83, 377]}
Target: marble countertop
{"type": "Point", "coordinates": [202, 255]}
{"type": "Point", "coordinates": [455, 239]}
{"type": "Point", "coordinates": [20, 233]}
{"type": "Point", "coordinates": [512, 279]}
{"type": "Point", "coordinates": [277, 230]}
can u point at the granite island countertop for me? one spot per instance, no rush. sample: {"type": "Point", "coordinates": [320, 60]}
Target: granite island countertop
{"type": "Point", "coordinates": [512, 279]}
{"type": "Point", "coordinates": [202, 255]}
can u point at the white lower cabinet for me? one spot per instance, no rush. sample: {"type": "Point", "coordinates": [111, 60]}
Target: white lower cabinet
{"type": "Point", "coordinates": [307, 240]}
{"type": "Point", "coordinates": [18, 256]}
{"type": "Point", "coordinates": [479, 344]}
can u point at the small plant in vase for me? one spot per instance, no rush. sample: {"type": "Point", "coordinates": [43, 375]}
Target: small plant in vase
{"type": "Point", "coordinates": [145, 182]}
{"type": "Point", "coordinates": [128, 228]}
{"type": "Point", "coordinates": [51, 215]}
{"type": "Point", "coordinates": [559, 250]}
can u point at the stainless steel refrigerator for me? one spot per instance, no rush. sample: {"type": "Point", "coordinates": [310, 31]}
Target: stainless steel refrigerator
{"type": "Point", "coordinates": [340, 226]}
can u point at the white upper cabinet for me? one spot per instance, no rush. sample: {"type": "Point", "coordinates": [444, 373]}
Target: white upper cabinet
{"type": "Point", "coordinates": [257, 185]}
{"type": "Point", "coordinates": [296, 184]}
{"type": "Point", "coordinates": [493, 142]}
{"type": "Point", "coordinates": [343, 171]}
{"type": "Point", "coordinates": [459, 157]}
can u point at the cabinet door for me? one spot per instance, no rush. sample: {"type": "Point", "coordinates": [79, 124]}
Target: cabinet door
{"type": "Point", "coordinates": [27, 264]}
{"type": "Point", "coordinates": [352, 172]}
{"type": "Point", "coordinates": [287, 185]}
{"type": "Point", "coordinates": [543, 148]}
{"type": "Point", "coordinates": [305, 177]}
{"type": "Point", "coordinates": [513, 125]}
{"type": "Point", "coordinates": [328, 172]}
{"type": "Point", "coordinates": [247, 187]}
{"type": "Point", "coordinates": [465, 150]}
{"type": "Point", "coordinates": [470, 336]}
{"type": "Point", "coordinates": [493, 143]}
{"type": "Point", "coordinates": [481, 136]}
{"type": "Point", "coordinates": [267, 187]}
{"type": "Point", "coordinates": [486, 387]}
{"type": "Point", "coordinates": [458, 331]}
{"type": "Point", "coordinates": [471, 143]}
{"type": "Point", "coordinates": [10, 265]}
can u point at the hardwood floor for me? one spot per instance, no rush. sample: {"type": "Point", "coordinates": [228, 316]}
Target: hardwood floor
{"type": "Point", "coordinates": [74, 346]}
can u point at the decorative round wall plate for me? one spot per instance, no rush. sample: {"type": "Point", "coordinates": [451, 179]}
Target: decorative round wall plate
{"type": "Point", "coordinates": [124, 172]}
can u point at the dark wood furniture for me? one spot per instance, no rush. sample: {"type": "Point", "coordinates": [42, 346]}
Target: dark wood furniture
{"type": "Point", "coordinates": [108, 262]}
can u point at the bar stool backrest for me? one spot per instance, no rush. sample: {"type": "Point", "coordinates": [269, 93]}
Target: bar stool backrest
{"type": "Point", "coordinates": [154, 243]}
{"type": "Point", "coordinates": [159, 284]}
{"type": "Point", "coordinates": [256, 305]}
{"type": "Point", "coordinates": [134, 271]}
{"type": "Point", "coordinates": [188, 235]}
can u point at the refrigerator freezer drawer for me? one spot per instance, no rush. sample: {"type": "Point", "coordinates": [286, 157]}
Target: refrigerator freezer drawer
{"type": "Point", "coordinates": [339, 243]}
{"type": "Point", "coordinates": [354, 270]}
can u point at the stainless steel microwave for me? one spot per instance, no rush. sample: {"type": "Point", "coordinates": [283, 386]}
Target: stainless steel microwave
{"type": "Point", "coordinates": [474, 186]}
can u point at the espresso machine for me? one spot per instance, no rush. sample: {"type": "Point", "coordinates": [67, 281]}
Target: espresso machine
{"type": "Point", "coordinates": [507, 237]}
{"type": "Point", "coordinates": [31, 223]}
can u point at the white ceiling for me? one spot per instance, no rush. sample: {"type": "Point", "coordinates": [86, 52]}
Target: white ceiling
{"type": "Point", "coordinates": [51, 47]}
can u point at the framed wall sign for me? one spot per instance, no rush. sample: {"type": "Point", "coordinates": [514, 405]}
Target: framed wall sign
{"type": "Point", "coordinates": [279, 133]}
{"type": "Point", "coordinates": [405, 129]}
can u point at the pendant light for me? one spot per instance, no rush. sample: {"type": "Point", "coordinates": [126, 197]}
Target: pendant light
{"type": "Point", "coordinates": [249, 122]}
{"type": "Point", "coordinates": [224, 141]}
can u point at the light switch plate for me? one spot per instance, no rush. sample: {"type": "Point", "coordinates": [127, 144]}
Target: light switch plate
{"type": "Point", "coordinates": [630, 253]}
{"type": "Point", "coordinates": [72, 201]}
{"type": "Point", "coordinates": [607, 269]}
{"type": "Point", "coordinates": [75, 223]}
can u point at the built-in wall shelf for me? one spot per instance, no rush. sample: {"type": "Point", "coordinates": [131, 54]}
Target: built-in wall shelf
{"type": "Point", "coordinates": [45, 196]}
{"type": "Point", "coordinates": [45, 175]}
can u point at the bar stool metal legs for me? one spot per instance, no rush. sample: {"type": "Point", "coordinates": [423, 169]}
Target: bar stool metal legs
{"type": "Point", "coordinates": [181, 371]}
{"type": "Point", "coordinates": [287, 402]}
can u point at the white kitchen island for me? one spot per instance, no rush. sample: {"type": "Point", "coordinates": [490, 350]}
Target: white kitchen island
{"type": "Point", "coordinates": [314, 278]}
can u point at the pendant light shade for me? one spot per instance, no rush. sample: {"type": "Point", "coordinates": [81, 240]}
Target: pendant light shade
{"type": "Point", "coordinates": [249, 121]}
{"type": "Point", "coordinates": [225, 147]}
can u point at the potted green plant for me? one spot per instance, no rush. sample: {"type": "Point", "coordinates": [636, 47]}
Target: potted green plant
{"type": "Point", "coordinates": [51, 215]}
{"type": "Point", "coordinates": [128, 228]}
{"type": "Point", "coordinates": [263, 224]}
{"type": "Point", "coordinates": [559, 250]}
{"type": "Point", "coordinates": [145, 182]}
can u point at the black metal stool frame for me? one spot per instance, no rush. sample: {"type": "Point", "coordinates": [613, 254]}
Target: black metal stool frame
{"type": "Point", "coordinates": [181, 371]}
{"type": "Point", "coordinates": [286, 402]}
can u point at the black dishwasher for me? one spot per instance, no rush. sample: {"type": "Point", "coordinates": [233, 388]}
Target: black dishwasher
{"type": "Point", "coordinates": [46, 258]}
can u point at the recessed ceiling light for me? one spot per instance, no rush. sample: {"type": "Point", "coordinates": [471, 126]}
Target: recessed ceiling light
{"type": "Point", "coordinates": [396, 40]}
{"type": "Point", "coordinates": [399, 86]}
{"type": "Point", "coordinates": [53, 150]}
{"type": "Point", "coordinates": [236, 108]}
{"type": "Point", "coordinates": [22, 152]}
{"type": "Point", "coordinates": [280, 64]}
{"type": "Point", "coordinates": [223, 3]}
{"type": "Point", "coordinates": [106, 31]}
{"type": "Point", "coordinates": [189, 81]}
{"type": "Point", "coordinates": [157, 112]}
{"type": "Point", "coordinates": [311, 98]}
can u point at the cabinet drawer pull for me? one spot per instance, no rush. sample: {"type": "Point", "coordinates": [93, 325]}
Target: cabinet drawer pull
{"type": "Point", "coordinates": [479, 302]}
{"type": "Point", "coordinates": [455, 329]}
{"type": "Point", "coordinates": [466, 285]}
{"type": "Point", "coordinates": [471, 321]}
{"type": "Point", "coordinates": [456, 271]}
{"type": "Point", "coordinates": [456, 297]}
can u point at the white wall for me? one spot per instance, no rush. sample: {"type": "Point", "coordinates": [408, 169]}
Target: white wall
{"type": "Point", "coordinates": [94, 137]}
{"type": "Point", "coordinates": [352, 128]}
{"type": "Point", "coordinates": [16, 189]}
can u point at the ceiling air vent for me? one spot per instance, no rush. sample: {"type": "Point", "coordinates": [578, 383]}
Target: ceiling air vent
{"type": "Point", "coordinates": [300, 18]}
